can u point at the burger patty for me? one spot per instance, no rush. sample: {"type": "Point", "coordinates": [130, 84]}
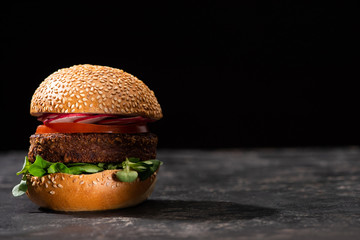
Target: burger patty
{"type": "Point", "coordinates": [92, 147]}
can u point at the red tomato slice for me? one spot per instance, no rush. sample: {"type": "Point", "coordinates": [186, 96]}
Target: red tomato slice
{"type": "Point", "coordinates": [90, 128]}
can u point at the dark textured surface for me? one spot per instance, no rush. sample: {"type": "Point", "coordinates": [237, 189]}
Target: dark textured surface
{"type": "Point", "coordinates": [223, 194]}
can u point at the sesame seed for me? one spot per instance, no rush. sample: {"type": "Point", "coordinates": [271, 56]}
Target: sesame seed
{"type": "Point", "coordinates": [52, 192]}
{"type": "Point", "coordinates": [81, 182]}
{"type": "Point", "coordinates": [46, 186]}
{"type": "Point", "coordinates": [94, 182]}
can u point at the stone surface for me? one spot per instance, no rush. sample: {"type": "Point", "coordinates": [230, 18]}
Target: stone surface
{"type": "Point", "coordinates": [219, 194]}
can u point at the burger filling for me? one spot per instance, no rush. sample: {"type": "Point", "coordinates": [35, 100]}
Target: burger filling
{"type": "Point", "coordinates": [90, 143]}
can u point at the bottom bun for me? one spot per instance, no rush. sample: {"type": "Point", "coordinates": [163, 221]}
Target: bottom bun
{"type": "Point", "coordinates": [87, 192]}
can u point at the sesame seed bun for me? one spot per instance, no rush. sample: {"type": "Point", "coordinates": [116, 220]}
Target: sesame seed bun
{"type": "Point", "coordinates": [94, 89]}
{"type": "Point", "coordinates": [92, 192]}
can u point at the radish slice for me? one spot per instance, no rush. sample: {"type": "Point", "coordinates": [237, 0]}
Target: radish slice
{"type": "Point", "coordinates": [45, 116]}
{"type": "Point", "coordinates": [93, 118]}
{"type": "Point", "coordinates": [123, 120]}
{"type": "Point", "coordinates": [106, 119]}
{"type": "Point", "coordinates": [65, 118]}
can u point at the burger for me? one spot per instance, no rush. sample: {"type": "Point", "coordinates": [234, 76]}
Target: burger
{"type": "Point", "coordinates": [93, 150]}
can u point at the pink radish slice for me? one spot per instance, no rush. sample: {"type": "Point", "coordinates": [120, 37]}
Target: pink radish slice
{"type": "Point", "coordinates": [108, 119]}
{"type": "Point", "coordinates": [66, 118]}
{"type": "Point", "coordinates": [93, 119]}
{"type": "Point", "coordinates": [45, 116]}
{"type": "Point", "coordinates": [123, 120]}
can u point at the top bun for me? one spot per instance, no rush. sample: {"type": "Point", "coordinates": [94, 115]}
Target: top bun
{"type": "Point", "coordinates": [94, 89]}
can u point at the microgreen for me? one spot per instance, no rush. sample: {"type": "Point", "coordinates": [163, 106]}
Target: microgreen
{"type": "Point", "coordinates": [38, 168]}
{"type": "Point", "coordinates": [58, 168]}
{"type": "Point", "coordinates": [25, 167]}
{"type": "Point", "coordinates": [129, 170]}
{"type": "Point", "coordinates": [127, 175]}
{"type": "Point", "coordinates": [144, 169]}
{"type": "Point", "coordinates": [86, 168]}
{"type": "Point", "coordinates": [19, 189]}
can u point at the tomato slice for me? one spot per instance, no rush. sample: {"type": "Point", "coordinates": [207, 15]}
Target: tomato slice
{"type": "Point", "coordinates": [90, 128]}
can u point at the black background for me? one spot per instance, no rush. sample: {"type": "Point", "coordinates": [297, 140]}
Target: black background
{"type": "Point", "coordinates": [248, 74]}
